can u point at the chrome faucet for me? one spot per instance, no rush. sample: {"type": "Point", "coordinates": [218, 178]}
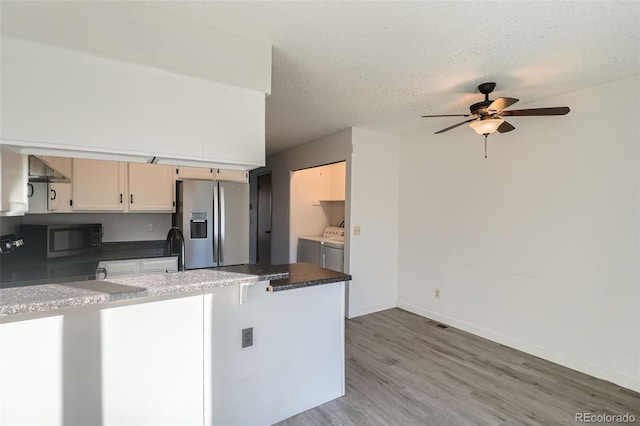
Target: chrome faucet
{"type": "Point", "coordinates": [176, 233]}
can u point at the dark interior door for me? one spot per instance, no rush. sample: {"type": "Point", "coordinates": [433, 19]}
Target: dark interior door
{"type": "Point", "coordinates": [264, 219]}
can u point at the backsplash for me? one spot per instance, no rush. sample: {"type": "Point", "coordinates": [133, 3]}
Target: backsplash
{"type": "Point", "coordinates": [115, 226]}
{"type": "Point", "coordinates": [10, 224]}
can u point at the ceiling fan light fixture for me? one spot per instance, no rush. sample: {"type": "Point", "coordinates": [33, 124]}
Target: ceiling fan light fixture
{"type": "Point", "coordinates": [487, 126]}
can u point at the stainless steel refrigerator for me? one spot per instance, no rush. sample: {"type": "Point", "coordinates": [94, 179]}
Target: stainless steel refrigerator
{"type": "Point", "coordinates": [214, 218]}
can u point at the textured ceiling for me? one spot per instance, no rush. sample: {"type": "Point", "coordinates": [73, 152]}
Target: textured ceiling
{"type": "Point", "coordinates": [381, 65]}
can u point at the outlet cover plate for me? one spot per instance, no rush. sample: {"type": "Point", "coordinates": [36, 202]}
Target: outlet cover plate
{"type": "Point", "coordinates": [247, 337]}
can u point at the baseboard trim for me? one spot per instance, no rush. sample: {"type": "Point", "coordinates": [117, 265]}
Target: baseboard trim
{"type": "Point", "coordinates": [530, 348]}
{"type": "Point", "coordinates": [371, 309]}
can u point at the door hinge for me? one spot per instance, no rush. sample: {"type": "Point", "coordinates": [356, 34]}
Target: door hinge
{"type": "Point", "coordinates": [71, 202]}
{"type": "Point", "coordinates": [177, 172]}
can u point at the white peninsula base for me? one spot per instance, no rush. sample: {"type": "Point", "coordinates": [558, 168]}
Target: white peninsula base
{"type": "Point", "coordinates": [175, 360]}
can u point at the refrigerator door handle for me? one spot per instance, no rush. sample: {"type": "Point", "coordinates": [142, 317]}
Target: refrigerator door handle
{"type": "Point", "coordinates": [222, 227]}
{"type": "Point", "coordinates": [215, 225]}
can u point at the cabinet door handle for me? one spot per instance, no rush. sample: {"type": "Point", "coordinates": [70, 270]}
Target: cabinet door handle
{"type": "Point", "coordinates": [131, 198]}
{"type": "Point", "coordinates": [120, 198]}
{"type": "Point", "coordinates": [53, 194]}
{"type": "Point", "coordinates": [29, 190]}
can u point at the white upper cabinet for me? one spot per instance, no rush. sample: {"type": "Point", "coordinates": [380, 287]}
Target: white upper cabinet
{"type": "Point", "coordinates": [150, 187]}
{"type": "Point", "coordinates": [334, 181]}
{"type": "Point", "coordinates": [59, 194]}
{"type": "Point", "coordinates": [98, 185]}
{"type": "Point", "coordinates": [223, 175]}
{"type": "Point", "coordinates": [63, 165]}
{"type": "Point", "coordinates": [60, 198]}
{"type": "Point", "coordinates": [203, 173]}
{"type": "Point", "coordinates": [13, 184]}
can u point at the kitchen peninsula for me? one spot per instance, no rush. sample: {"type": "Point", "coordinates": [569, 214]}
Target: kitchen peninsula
{"type": "Point", "coordinates": [247, 344]}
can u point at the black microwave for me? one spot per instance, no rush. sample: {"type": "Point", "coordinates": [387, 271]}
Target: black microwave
{"type": "Point", "coordinates": [51, 241]}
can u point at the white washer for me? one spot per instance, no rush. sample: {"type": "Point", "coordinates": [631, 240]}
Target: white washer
{"type": "Point", "coordinates": [332, 253]}
{"type": "Point", "coordinates": [326, 250]}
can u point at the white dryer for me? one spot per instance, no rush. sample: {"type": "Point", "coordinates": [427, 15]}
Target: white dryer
{"type": "Point", "coordinates": [326, 250]}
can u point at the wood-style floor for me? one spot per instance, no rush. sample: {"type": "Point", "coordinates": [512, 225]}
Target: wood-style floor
{"type": "Point", "coordinates": [403, 369]}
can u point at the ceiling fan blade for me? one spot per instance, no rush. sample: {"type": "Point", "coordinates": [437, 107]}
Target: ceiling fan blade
{"type": "Point", "coordinates": [505, 127]}
{"type": "Point", "coordinates": [447, 115]}
{"type": "Point", "coordinates": [455, 125]}
{"type": "Point", "coordinates": [536, 111]}
{"type": "Point", "coordinates": [501, 103]}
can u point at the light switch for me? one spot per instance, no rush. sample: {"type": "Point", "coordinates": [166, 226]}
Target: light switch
{"type": "Point", "coordinates": [356, 230]}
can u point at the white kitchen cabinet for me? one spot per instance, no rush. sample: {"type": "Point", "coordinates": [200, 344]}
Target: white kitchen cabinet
{"type": "Point", "coordinates": [38, 197]}
{"type": "Point", "coordinates": [333, 182]}
{"type": "Point", "coordinates": [224, 175]}
{"type": "Point", "coordinates": [194, 173]}
{"type": "Point", "coordinates": [50, 198]}
{"type": "Point", "coordinates": [151, 187]}
{"type": "Point", "coordinates": [60, 197]}
{"type": "Point", "coordinates": [117, 268]}
{"type": "Point", "coordinates": [98, 185]}
{"type": "Point", "coordinates": [159, 264]}
{"type": "Point", "coordinates": [63, 165]}
{"type": "Point", "coordinates": [59, 194]}
{"type": "Point", "coordinates": [13, 184]}
{"type": "Point", "coordinates": [152, 363]}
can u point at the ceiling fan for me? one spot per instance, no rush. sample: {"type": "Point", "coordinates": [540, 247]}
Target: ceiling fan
{"type": "Point", "coordinates": [486, 116]}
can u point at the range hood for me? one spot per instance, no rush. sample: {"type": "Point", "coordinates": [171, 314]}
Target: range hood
{"type": "Point", "coordinates": [41, 171]}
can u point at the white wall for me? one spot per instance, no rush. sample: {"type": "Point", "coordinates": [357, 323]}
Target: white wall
{"type": "Point", "coordinates": [68, 103]}
{"type": "Point", "coordinates": [330, 149]}
{"type": "Point", "coordinates": [115, 226]}
{"type": "Point", "coordinates": [129, 32]}
{"type": "Point", "coordinates": [374, 207]}
{"type": "Point", "coordinates": [536, 247]}
{"type": "Point", "coordinates": [371, 202]}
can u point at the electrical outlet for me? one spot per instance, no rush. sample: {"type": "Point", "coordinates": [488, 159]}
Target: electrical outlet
{"type": "Point", "coordinates": [356, 230]}
{"type": "Point", "coordinates": [437, 293]}
{"type": "Point", "coordinates": [149, 227]}
{"type": "Point", "coordinates": [247, 337]}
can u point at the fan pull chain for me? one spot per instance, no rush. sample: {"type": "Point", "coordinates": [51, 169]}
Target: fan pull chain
{"type": "Point", "coordinates": [485, 146]}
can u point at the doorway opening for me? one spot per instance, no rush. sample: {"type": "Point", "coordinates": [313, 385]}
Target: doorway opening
{"type": "Point", "coordinates": [318, 208]}
{"type": "Point", "coordinates": [263, 223]}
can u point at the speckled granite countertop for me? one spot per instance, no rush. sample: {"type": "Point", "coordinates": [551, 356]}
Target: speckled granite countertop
{"type": "Point", "coordinates": [47, 297]}
{"type": "Point", "coordinates": [289, 277]}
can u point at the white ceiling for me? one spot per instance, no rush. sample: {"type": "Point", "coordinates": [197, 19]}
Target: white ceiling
{"type": "Point", "coordinates": [381, 65]}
